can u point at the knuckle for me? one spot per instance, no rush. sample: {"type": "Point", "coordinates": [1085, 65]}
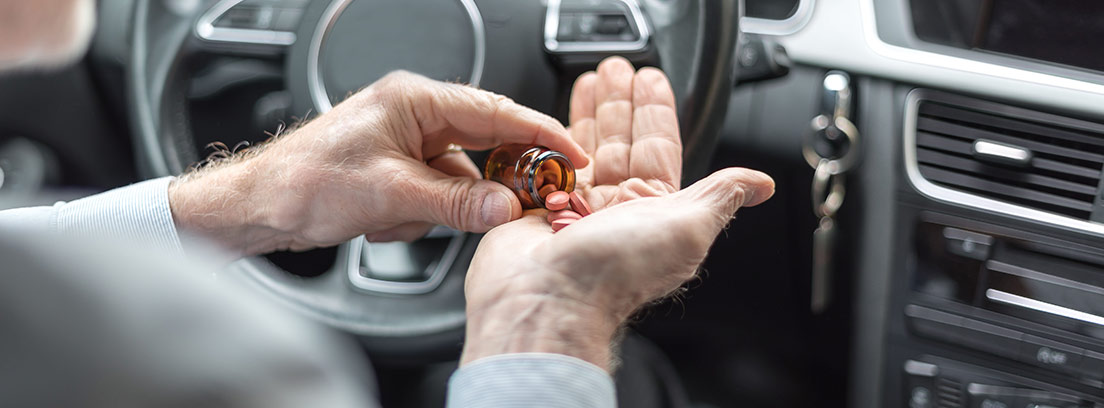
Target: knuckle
{"type": "Point", "coordinates": [394, 82]}
{"type": "Point", "coordinates": [459, 204]}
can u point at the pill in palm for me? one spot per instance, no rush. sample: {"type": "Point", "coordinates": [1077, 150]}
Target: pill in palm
{"type": "Point", "coordinates": [579, 204]}
{"type": "Point", "coordinates": [561, 223]}
{"type": "Point", "coordinates": [563, 214]}
{"type": "Point", "coordinates": [557, 200]}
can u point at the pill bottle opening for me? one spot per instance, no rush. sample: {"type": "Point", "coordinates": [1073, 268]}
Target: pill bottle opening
{"type": "Point", "coordinates": [550, 168]}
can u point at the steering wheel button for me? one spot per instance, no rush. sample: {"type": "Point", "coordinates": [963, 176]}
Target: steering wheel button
{"type": "Point", "coordinates": [613, 25]}
{"type": "Point", "coordinates": [246, 17]}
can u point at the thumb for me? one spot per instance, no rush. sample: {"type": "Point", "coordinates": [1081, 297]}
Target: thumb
{"type": "Point", "coordinates": [464, 203]}
{"type": "Point", "coordinates": [729, 189]}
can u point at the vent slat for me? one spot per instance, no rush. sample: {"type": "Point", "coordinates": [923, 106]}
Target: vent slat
{"type": "Point", "coordinates": [943, 143]}
{"type": "Point", "coordinates": [1057, 166]}
{"type": "Point", "coordinates": [1014, 125]}
{"type": "Point", "coordinates": [953, 145]}
{"type": "Point", "coordinates": [1009, 193]}
{"type": "Point", "coordinates": [974, 166]}
{"type": "Point", "coordinates": [952, 129]}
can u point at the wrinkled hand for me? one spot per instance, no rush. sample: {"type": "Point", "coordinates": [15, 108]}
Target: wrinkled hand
{"type": "Point", "coordinates": [531, 290]}
{"type": "Point", "coordinates": [360, 169]}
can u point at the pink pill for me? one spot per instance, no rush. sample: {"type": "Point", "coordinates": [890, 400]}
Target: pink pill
{"type": "Point", "coordinates": [579, 204]}
{"type": "Point", "coordinates": [557, 200]}
{"type": "Point", "coordinates": [561, 223]}
{"type": "Point", "coordinates": [563, 214]}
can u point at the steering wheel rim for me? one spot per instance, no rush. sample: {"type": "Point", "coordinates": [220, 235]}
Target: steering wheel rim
{"type": "Point", "coordinates": [156, 78]}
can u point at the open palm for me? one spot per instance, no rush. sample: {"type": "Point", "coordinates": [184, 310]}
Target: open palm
{"type": "Point", "coordinates": [646, 235]}
{"type": "Point", "coordinates": [627, 123]}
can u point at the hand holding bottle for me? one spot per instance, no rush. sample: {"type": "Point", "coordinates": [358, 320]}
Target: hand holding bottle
{"type": "Point", "coordinates": [361, 169]}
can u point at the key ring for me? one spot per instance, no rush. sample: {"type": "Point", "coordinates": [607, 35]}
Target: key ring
{"type": "Point", "coordinates": [827, 184]}
{"type": "Point", "coordinates": [843, 163]}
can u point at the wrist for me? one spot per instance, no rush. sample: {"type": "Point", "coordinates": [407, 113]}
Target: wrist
{"type": "Point", "coordinates": [222, 204]}
{"type": "Point", "coordinates": [540, 323]}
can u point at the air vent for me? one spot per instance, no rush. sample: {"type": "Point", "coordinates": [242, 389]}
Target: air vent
{"type": "Point", "coordinates": [1031, 159]}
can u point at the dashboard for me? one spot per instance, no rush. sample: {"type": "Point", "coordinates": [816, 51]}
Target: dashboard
{"type": "Point", "coordinates": [978, 279]}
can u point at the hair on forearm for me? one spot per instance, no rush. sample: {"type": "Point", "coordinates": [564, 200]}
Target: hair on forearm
{"type": "Point", "coordinates": [615, 348]}
{"type": "Point", "coordinates": [222, 155]}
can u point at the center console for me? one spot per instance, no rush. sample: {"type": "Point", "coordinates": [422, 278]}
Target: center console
{"type": "Point", "coordinates": [998, 299]}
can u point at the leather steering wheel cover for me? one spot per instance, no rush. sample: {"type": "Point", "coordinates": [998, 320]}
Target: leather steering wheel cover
{"type": "Point", "coordinates": [704, 87]}
{"type": "Point", "coordinates": [155, 94]}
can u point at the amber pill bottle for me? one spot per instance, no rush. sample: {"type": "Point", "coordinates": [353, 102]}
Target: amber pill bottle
{"type": "Point", "coordinates": [527, 168]}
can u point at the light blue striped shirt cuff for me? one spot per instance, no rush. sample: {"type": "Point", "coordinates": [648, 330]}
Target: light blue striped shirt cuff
{"type": "Point", "coordinates": [139, 213]}
{"type": "Point", "coordinates": [531, 380]}
{"type": "Point", "coordinates": [136, 213]}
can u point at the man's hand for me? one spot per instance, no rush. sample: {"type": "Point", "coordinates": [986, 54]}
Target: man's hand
{"type": "Point", "coordinates": [531, 290]}
{"type": "Point", "coordinates": [361, 169]}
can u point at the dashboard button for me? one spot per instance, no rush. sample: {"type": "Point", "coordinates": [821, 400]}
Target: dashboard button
{"type": "Point", "coordinates": [989, 396]}
{"type": "Point", "coordinates": [920, 384]}
{"type": "Point", "coordinates": [968, 244]}
{"type": "Point", "coordinates": [1050, 354]}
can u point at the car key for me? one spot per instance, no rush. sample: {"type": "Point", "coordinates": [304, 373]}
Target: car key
{"type": "Point", "coordinates": [831, 148]}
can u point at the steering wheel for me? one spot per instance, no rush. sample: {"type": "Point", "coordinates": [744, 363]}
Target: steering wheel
{"type": "Point", "coordinates": [406, 301]}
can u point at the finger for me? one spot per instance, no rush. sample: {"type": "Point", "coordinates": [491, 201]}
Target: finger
{"type": "Point", "coordinates": [727, 190]}
{"type": "Point", "coordinates": [477, 119]}
{"type": "Point", "coordinates": [613, 120]}
{"type": "Point", "coordinates": [456, 164]}
{"type": "Point", "coordinates": [656, 152]}
{"type": "Point", "coordinates": [582, 111]}
{"type": "Point", "coordinates": [420, 193]}
{"type": "Point", "coordinates": [406, 232]}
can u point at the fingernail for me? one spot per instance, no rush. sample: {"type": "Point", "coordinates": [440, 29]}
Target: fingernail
{"type": "Point", "coordinates": [496, 209]}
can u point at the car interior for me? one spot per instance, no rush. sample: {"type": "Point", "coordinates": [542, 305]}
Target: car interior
{"type": "Point", "coordinates": [936, 239]}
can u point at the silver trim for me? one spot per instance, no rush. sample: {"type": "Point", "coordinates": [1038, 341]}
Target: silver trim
{"type": "Point", "coordinates": [947, 195]}
{"type": "Point", "coordinates": [1001, 151]}
{"type": "Point", "coordinates": [787, 26]}
{"type": "Point", "coordinates": [552, 26]}
{"type": "Point", "coordinates": [354, 263]}
{"type": "Point", "coordinates": [1009, 269]}
{"type": "Point", "coordinates": [843, 35]}
{"type": "Point", "coordinates": [870, 31]}
{"type": "Point", "coordinates": [205, 29]}
{"type": "Point", "coordinates": [1039, 306]}
{"type": "Point", "coordinates": [317, 87]}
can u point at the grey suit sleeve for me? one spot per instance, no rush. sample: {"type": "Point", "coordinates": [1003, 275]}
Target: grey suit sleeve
{"type": "Point", "coordinates": [531, 380]}
{"type": "Point", "coordinates": [138, 212]}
